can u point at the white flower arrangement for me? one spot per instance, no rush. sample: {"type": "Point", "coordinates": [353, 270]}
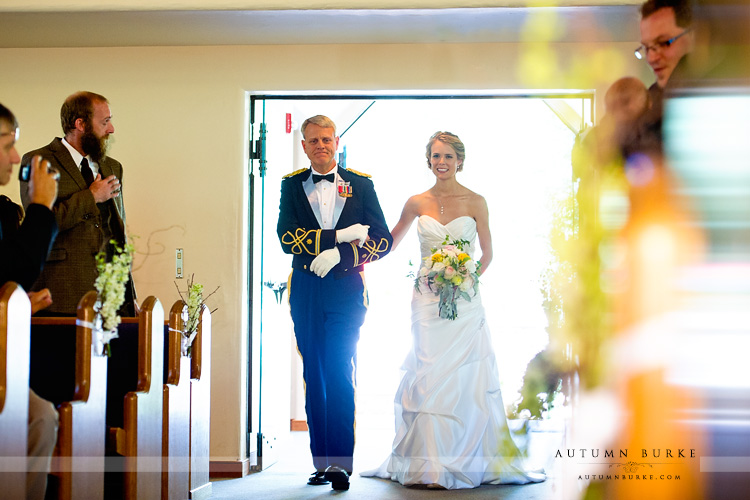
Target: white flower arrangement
{"type": "Point", "coordinates": [191, 313]}
{"type": "Point", "coordinates": [450, 273]}
{"type": "Point", "coordinates": [110, 287]}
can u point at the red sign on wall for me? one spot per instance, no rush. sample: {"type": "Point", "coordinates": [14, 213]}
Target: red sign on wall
{"type": "Point", "coordinates": [288, 123]}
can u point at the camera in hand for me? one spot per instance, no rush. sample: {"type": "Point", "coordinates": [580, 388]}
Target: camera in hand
{"type": "Point", "coordinates": [25, 171]}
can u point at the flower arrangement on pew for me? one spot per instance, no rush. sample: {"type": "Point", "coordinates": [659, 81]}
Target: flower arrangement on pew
{"type": "Point", "coordinates": [191, 312]}
{"type": "Point", "coordinates": [450, 273]}
{"type": "Point", "coordinates": [110, 288]}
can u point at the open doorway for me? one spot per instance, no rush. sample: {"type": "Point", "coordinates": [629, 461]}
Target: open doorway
{"type": "Point", "coordinates": [517, 156]}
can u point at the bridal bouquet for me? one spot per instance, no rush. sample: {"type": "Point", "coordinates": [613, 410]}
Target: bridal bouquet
{"type": "Point", "coordinates": [450, 273]}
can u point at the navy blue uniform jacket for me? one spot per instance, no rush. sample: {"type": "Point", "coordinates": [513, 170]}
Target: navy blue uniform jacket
{"type": "Point", "coordinates": [301, 235]}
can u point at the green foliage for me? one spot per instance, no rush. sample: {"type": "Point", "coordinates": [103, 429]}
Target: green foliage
{"type": "Point", "coordinates": [195, 302]}
{"type": "Point", "coordinates": [111, 281]}
{"type": "Point", "coordinates": [577, 307]}
{"type": "Point", "coordinates": [542, 383]}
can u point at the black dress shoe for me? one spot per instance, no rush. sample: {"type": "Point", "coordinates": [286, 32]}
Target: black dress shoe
{"type": "Point", "coordinates": [338, 477]}
{"type": "Point", "coordinates": [317, 479]}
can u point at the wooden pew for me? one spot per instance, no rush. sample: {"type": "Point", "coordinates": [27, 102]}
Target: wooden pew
{"type": "Point", "coordinates": [68, 368]}
{"type": "Point", "coordinates": [135, 386]}
{"type": "Point", "coordinates": [176, 416]}
{"type": "Point", "coordinates": [15, 316]}
{"type": "Point", "coordinates": [79, 456]}
{"type": "Point", "coordinates": [200, 408]}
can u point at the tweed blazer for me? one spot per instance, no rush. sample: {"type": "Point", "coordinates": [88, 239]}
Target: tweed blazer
{"type": "Point", "coordinates": [301, 235]}
{"type": "Point", "coordinates": [70, 270]}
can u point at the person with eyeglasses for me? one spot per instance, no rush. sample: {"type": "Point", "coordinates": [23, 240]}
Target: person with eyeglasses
{"type": "Point", "coordinates": [24, 247]}
{"type": "Point", "coordinates": [666, 37]}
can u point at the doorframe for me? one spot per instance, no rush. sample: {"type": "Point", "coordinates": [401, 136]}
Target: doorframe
{"type": "Point", "coordinates": [253, 436]}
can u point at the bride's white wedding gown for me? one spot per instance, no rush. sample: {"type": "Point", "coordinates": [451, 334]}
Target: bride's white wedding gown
{"type": "Point", "coordinates": [451, 428]}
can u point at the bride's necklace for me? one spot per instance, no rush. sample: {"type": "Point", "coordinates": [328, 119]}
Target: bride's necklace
{"type": "Point", "coordinates": [440, 202]}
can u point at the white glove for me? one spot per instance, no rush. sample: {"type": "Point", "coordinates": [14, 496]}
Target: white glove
{"type": "Point", "coordinates": [325, 261]}
{"type": "Point", "coordinates": [353, 233]}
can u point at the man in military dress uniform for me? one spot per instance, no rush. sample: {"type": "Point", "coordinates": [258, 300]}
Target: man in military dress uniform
{"type": "Point", "coordinates": [331, 222]}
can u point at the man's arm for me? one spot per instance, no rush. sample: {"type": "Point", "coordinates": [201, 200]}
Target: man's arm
{"type": "Point", "coordinates": [294, 237]}
{"type": "Point", "coordinates": [379, 241]}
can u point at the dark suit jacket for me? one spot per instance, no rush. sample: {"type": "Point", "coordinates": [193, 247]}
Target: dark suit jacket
{"type": "Point", "coordinates": [300, 233]}
{"type": "Point", "coordinates": [70, 270]}
{"type": "Point", "coordinates": [24, 249]}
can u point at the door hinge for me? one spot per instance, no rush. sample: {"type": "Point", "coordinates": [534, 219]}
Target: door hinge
{"type": "Point", "coordinates": [258, 152]}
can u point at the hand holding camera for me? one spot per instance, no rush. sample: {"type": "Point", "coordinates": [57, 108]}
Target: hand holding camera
{"type": "Point", "coordinates": [42, 179]}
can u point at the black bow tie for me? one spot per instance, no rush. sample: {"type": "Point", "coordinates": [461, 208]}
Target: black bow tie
{"type": "Point", "coordinates": [328, 177]}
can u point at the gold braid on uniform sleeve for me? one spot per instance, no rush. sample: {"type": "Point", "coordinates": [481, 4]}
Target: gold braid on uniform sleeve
{"type": "Point", "coordinates": [371, 252]}
{"type": "Point", "coordinates": [303, 240]}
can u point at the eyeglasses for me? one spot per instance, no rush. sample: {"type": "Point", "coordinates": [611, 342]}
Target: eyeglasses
{"type": "Point", "coordinates": [14, 134]}
{"type": "Point", "coordinates": [642, 51]}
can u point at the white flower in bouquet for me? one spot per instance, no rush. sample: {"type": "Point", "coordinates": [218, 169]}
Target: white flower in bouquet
{"type": "Point", "coordinates": [450, 273]}
{"type": "Point", "coordinates": [467, 284]}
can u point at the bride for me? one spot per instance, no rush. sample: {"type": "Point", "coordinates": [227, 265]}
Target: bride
{"type": "Point", "coordinates": [451, 430]}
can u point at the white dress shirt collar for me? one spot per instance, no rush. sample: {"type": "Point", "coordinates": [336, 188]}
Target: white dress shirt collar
{"type": "Point", "coordinates": [77, 157]}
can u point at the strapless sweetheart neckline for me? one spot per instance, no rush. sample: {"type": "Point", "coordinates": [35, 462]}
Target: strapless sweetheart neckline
{"type": "Point", "coordinates": [449, 222]}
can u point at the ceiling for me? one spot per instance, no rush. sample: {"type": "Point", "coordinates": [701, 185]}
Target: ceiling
{"type": "Point", "coordinates": [608, 23]}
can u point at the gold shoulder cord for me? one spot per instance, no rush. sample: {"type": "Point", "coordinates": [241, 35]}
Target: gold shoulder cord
{"type": "Point", "coordinates": [361, 174]}
{"type": "Point", "coordinates": [294, 173]}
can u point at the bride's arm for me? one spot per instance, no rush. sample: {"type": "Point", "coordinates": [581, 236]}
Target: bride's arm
{"type": "Point", "coordinates": [408, 214]}
{"type": "Point", "coordinates": [483, 232]}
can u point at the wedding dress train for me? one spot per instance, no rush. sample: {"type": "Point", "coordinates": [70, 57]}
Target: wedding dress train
{"type": "Point", "coordinates": [451, 429]}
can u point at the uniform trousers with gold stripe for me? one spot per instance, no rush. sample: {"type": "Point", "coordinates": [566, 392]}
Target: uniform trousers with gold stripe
{"type": "Point", "coordinates": [327, 314]}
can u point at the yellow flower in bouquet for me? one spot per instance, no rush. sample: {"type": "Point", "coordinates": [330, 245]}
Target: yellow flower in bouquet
{"type": "Point", "coordinates": [450, 273]}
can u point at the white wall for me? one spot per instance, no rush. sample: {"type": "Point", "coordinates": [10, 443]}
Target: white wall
{"type": "Point", "coordinates": [179, 115]}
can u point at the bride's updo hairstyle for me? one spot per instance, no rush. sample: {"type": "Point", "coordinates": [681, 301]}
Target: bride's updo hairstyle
{"type": "Point", "coordinates": [451, 140]}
